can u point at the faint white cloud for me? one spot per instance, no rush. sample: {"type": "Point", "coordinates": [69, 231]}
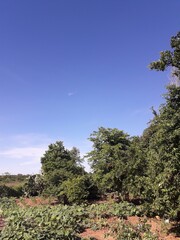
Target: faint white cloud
{"type": "Point", "coordinates": [29, 139]}
{"type": "Point", "coordinates": [29, 163]}
{"type": "Point", "coordinates": [23, 152]}
{"type": "Point", "coordinates": [71, 94]}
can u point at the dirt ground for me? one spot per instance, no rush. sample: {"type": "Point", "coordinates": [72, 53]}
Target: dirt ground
{"type": "Point", "coordinates": [36, 201]}
{"type": "Point", "coordinates": [1, 223]}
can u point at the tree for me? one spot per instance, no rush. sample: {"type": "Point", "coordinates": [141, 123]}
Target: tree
{"type": "Point", "coordinates": [170, 58]}
{"type": "Point", "coordinates": [163, 156]}
{"type": "Point", "coordinates": [137, 166]}
{"type": "Point", "coordinates": [60, 164]}
{"type": "Point", "coordinates": [163, 148]}
{"type": "Point", "coordinates": [108, 158]}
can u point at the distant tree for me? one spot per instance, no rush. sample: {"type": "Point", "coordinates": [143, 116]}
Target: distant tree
{"type": "Point", "coordinates": [108, 158]}
{"type": "Point", "coordinates": [6, 174]}
{"type": "Point", "coordinates": [170, 59]}
{"type": "Point", "coordinates": [7, 178]}
{"type": "Point", "coordinates": [60, 164]}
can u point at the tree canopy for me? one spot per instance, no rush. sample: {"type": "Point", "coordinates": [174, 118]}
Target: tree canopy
{"type": "Point", "coordinates": [169, 58]}
{"type": "Point", "coordinates": [108, 158]}
{"type": "Point", "coordinates": [60, 164]}
{"type": "Point", "coordinates": [163, 155]}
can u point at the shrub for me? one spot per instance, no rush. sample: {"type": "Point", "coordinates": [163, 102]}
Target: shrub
{"type": "Point", "coordinates": [6, 191]}
{"type": "Point", "coordinates": [78, 190]}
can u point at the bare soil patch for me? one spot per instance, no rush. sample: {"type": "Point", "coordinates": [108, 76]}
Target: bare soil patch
{"type": "Point", "coordinates": [1, 223]}
{"type": "Point", "coordinates": [35, 201]}
{"type": "Point", "coordinates": [98, 234]}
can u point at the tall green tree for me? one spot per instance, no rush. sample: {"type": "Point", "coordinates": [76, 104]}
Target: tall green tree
{"type": "Point", "coordinates": [163, 148]}
{"type": "Point", "coordinates": [60, 164]}
{"type": "Point", "coordinates": [163, 156]}
{"type": "Point", "coordinates": [108, 158]}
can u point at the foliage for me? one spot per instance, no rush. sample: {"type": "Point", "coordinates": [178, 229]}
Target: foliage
{"type": "Point", "coordinates": [10, 179]}
{"type": "Point", "coordinates": [78, 190]}
{"type": "Point", "coordinates": [118, 162]}
{"type": "Point", "coordinates": [170, 58]}
{"type": "Point", "coordinates": [109, 158]}
{"type": "Point", "coordinates": [163, 149]}
{"type": "Point", "coordinates": [34, 185]}
{"type": "Point", "coordinates": [60, 164]}
{"type": "Point", "coordinates": [140, 231]}
{"type": "Point", "coordinates": [75, 190]}
{"type": "Point", "coordinates": [7, 204]}
{"type": "Point", "coordinates": [59, 222]}
{"type": "Point", "coordinates": [120, 210]}
{"type": "Point", "coordinates": [136, 168]}
{"type": "Point", "coordinates": [67, 222]}
{"type": "Point", "coordinates": [6, 191]}
{"type": "Point", "coordinates": [163, 155]}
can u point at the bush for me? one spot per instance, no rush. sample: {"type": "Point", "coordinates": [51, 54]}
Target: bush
{"type": "Point", "coordinates": [77, 190]}
{"type": "Point", "coordinates": [6, 191]}
{"type": "Point", "coordinates": [34, 186]}
{"type": "Point", "coordinates": [74, 190]}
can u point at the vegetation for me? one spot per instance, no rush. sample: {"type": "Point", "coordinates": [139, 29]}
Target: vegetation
{"type": "Point", "coordinates": [163, 156]}
{"type": "Point", "coordinates": [170, 58]}
{"type": "Point", "coordinates": [67, 222]}
{"type": "Point", "coordinates": [6, 191]}
{"type": "Point", "coordinates": [60, 164]}
{"type": "Point", "coordinates": [109, 159]}
{"type": "Point", "coordinates": [13, 180]}
{"type": "Point", "coordinates": [33, 186]}
{"type": "Point", "coordinates": [45, 222]}
{"type": "Point", "coordinates": [12, 185]}
{"type": "Point", "coordinates": [78, 190]}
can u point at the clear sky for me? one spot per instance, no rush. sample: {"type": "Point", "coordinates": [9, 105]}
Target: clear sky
{"type": "Point", "coordinates": [68, 67]}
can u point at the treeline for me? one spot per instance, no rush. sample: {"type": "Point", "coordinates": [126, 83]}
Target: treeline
{"type": "Point", "coordinates": [7, 178]}
{"type": "Point", "coordinates": [12, 185]}
{"type": "Point", "coordinates": [143, 167]}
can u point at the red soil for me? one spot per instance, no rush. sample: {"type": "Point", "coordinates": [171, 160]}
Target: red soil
{"type": "Point", "coordinates": [1, 223]}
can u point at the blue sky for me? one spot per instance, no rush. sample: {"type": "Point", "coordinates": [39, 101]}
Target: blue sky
{"type": "Point", "coordinates": [68, 67]}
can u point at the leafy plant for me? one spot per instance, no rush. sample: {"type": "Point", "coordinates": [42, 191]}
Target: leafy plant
{"type": "Point", "coordinates": [140, 231]}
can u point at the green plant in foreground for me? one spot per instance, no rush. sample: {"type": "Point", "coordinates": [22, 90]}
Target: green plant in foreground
{"type": "Point", "coordinates": [58, 223]}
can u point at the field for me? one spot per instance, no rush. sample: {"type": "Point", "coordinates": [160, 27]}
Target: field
{"type": "Point", "coordinates": [37, 218]}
